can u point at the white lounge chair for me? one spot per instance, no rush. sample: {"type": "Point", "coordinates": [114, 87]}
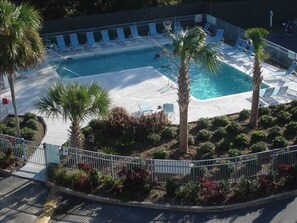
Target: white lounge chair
{"type": "Point", "coordinates": [219, 37]}
{"type": "Point", "coordinates": [168, 109]}
{"type": "Point", "coordinates": [134, 33]}
{"type": "Point", "coordinates": [235, 47]}
{"type": "Point", "coordinates": [105, 38]}
{"type": "Point", "coordinates": [289, 71]}
{"type": "Point", "coordinates": [206, 28]}
{"type": "Point", "coordinates": [145, 109]}
{"type": "Point", "coordinates": [121, 36]}
{"type": "Point", "coordinates": [74, 42]}
{"type": "Point", "coordinates": [153, 31]}
{"type": "Point", "coordinates": [91, 40]}
{"type": "Point", "coordinates": [61, 43]}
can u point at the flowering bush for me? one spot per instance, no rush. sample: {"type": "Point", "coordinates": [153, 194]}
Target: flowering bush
{"type": "Point", "coordinates": [211, 192]}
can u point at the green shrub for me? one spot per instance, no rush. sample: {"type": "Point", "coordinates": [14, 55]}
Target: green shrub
{"type": "Point", "coordinates": [274, 132]}
{"type": "Point", "coordinates": [244, 114]}
{"type": "Point", "coordinates": [153, 138]}
{"type": "Point", "coordinates": [220, 121]}
{"type": "Point", "coordinates": [94, 177]}
{"type": "Point", "coordinates": [207, 156]}
{"type": "Point", "coordinates": [10, 123]}
{"type": "Point", "coordinates": [188, 193]}
{"type": "Point", "coordinates": [241, 140]}
{"type": "Point", "coordinates": [264, 111]}
{"type": "Point", "coordinates": [204, 135]}
{"type": "Point", "coordinates": [31, 124]}
{"type": "Point", "coordinates": [277, 108]}
{"type": "Point", "coordinates": [87, 131]}
{"type": "Point", "coordinates": [2, 128]}
{"type": "Point", "coordinates": [27, 133]}
{"type": "Point", "coordinates": [258, 135]}
{"type": "Point", "coordinates": [191, 139]}
{"type": "Point", "coordinates": [294, 114]}
{"type": "Point", "coordinates": [279, 142]}
{"type": "Point", "coordinates": [266, 121]}
{"type": "Point", "coordinates": [203, 123]}
{"type": "Point", "coordinates": [245, 189]}
{"type": "Point", "coordinates": [108, 150]}
{"type": "Point", "coordinates": [283, 117]}
{"type": "Point", "coordinates": [10, 131]}
{"type": "Point", "coordinates": [234, 152]}
{"type": "Point", "coordinates": [169, 133]}
{"type": "Point", "coordinates": [224, 145]}
{"type": "Point", "coordinates": [258, 147]}
{"type": "Point", "coordinates": [219, 133]}
{"type": "Point", "coordinates": [29, 115]}
{"type": "Point", "coordinates": [171, 186]}
{"type": "Point", "coordinates": [160, 153]}
{"type": "Point", "coordinates": [233, 128]}
{"type": "Point", "coordinates": [291, 129]}
{"type": "Point", "coordinates": [206, 147]}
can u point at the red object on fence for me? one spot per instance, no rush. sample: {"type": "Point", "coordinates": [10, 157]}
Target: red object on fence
{"type": "Point", "coordinates": [5, 100]}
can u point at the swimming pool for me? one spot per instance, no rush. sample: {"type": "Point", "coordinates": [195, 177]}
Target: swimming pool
{"type": "Point", "coordinates": [203, 85]}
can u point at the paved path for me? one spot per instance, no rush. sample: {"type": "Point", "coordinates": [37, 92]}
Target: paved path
{"type": "Point", "coordinates": [21, 200]}
{"type": "Point", "coordinates": [78, 210]}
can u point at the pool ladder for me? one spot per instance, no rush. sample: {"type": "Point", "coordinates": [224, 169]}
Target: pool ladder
{"type": "Point", "coordinates": [64, 68]}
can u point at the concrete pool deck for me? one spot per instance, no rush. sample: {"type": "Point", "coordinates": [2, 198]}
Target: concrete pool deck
{"type": "Point", "coordinates": [129, 88]}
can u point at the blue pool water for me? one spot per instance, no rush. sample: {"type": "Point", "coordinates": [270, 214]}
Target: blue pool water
{"type": "Point", "coordinates": [203, 85]}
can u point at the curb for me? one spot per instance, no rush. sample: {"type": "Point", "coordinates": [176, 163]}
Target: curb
{"type": "Point", "coordinates": [220, 208]}
{"type": "Point", "coordinates": [48, 207]}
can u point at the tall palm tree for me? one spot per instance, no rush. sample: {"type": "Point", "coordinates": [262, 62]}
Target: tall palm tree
{"type": "Point", "coordinates": [20, 44]}
{"type": "Point", "coordinates": [256, 35]}
{"type": "Point", "coordinates": [190, 46]}
{"type": "Point", "coordinates": [75, 102]}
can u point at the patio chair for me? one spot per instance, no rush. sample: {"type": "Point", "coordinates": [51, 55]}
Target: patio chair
{"type": "Point", "coordinates": [153, 31]}
{"type": "Point", "coordinates": [234, 48]}
{"type": "Point", "coordinates": [121, 36]}
{"type": "Point", "coordinates": [91, 40]}
{"type": "Point", "coordinates": [61, 43]}
{"type": "Point", "coordinates": [167, 26]}
{"type": "Point", "coordinates": [168, 109]}
{"type": "Point", "coordinates": [177, 27]}
{"type": "Point", "coordinates": [145, 109]}
{"type": "Point", "coordinates": [287, 72]}
{"type": "Point", "coordinates": [74, 42]}
{"type": "Point", "coordinates": [206, 28]}
{"type": "Point", "coordinates": [134, 33]}
{"type": "Point", "coordinates": [105, 38]}
{"type": "Point", "coordinates": [219, 37]}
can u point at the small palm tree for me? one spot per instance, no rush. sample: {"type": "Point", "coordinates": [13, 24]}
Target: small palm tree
{"type": "Point", "coordinates": [20, 44]}
{"type": "Point", "coordinates": [256, 35]}
{"type": "Point", "coordinates": [75, 102]}
{"type": "Point", "coordinates": [190, 46]}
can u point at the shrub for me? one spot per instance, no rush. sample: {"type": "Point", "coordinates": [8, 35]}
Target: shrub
{"type": "Point", "coordinates": [191, 140]}
{"type": "Point", "coordinates": [219, 133]}
{"type": "Point", "coordinates": [207, 147]}
{"type": "Point", "coordinates": [108, 150]}
{"type": "Point", "coordinates": [264, 111]}
{"type": "Point", "coordinates": [224, 145]}
{"type": "Point", "coordinates": [244, 114]}
{"type": "Point", "coordinates": [283, 117]}
{"type": "Point", "coordinates": [258, 147]}
{"type": "Point", "coordinates": [220, 121]}
{"type": "Point", "coordinates": [94, 177]}
{"type": "Point", "coordinates": [160, 153]}
{"type": "Point", "coordinates": [27, 133]}
{"type": "Point", "coordinates": [291, 129]}
{"type": "Point", "coordinates": [294, 114]}
{"type": "Point", "coordinates": [246, 189]}
{"type": "Point", "coordinates": [169, 133]}
{"type": "Point", "coordinates": [204, 135]}
{"type": "Point", "coordinates": [258, 135]}
{"type": "Point", "coordinates": [279, 142]}
{"type": "Point", "coordinates": [266, 121]}
{"type": "Point", "coordinates": [172, 185]}
{"type": "Point", "coordinates": [233, 128]}
{"type": "Point", "coordinates": [188, 193]}
{"type": "Point", "coordinates": [153, 138]}
{"type": "Point", "coordinates": [274, 132]}
{"type": "Point", "coordinates": [10, 123]}
{"type": "Point", "coordinates": [278, 108]}
{"type": "Point", "coordinates": [29, 115]}
{"type": "Point", "coordinates": [211, 192]}
{"type": "Point", "coordinates": [31, 124]}
{"type": "Point", "coordinates": [234, 152]}
{"type": "Point", "coordinates": [241, 140]}
{"type": "Point", "coordinates": [210, 155]}
{"type": "Point", "coordinates": [203, 123]}
{"type": "Point", "coordinates": [10, 131]}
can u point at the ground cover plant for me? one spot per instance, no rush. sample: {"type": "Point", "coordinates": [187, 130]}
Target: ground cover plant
{"type": "Point", "coordinates": [223, 136]}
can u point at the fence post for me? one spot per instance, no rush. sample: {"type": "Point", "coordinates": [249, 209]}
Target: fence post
{"type": "Point", "coordinates": [235, 170]}
{"type": "Point", "coordinates": [272, 162]}
{"type": "Point", "coordinates": [112, 171]}
{"type": "Point", "coordinates": [45, 155]}
{"type": "Point", "coordinates": [23, 150]}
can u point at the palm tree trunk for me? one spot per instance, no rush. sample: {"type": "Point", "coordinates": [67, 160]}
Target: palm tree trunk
{"type": "Point", "coordinates": [12, 92]}
{"type": "Point", "coordinates": [183, 102]}
{"type": "Point", "coordinates": [76, 135]}
{"type": "Point", "coordinates": [257, 80]}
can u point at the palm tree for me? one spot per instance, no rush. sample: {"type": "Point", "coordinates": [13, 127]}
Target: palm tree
{"type": "Point", "coordinates": [75, 102]}
{"type": "Point", "coordinates": [256, 35]}
{"type": "Point", "coordinates": [21, 47]}
{"type": "Point", "coordinates": [190, 46]}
